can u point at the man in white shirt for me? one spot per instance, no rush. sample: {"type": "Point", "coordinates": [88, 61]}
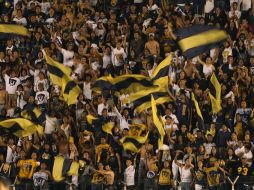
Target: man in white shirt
{"type": "Point", "coordinates": [118, 56]}
{"type": "Point", "coordinates": [248, 154]}
{"type": "Point", "coordinates": [103, 105]}
{"type": "Point", "coordinates": [234, 13]}
{"type": "Point", "coordinates": [123, 119]}
{"type": "Point", "coordinates": [41, 96]}
{"type": "Point", "coordinates": [169, 124]}
{"type": "Point", "coordinates": [236, 1]}
{"type": "Point", "coordinates": [11, 151]}
{"type": "Point", "coordinates": [87, 91]}
{"type": "Point", "coordinates": [19, 19]}
{"type": "Point", "coordinates": [68, 54]}
{"type": "Point", "coordinates": [129, 175]}
{"type": "Point", "coordinates": [11, 84]}
{"type": "Point", "coordinates": [208, 146]}
{"type": "Point", "coordinates": [51, 124]}
{"type": "Point", "coordinates": [168, 112]}
{"type": "Point", "coordinates": [239, 151]}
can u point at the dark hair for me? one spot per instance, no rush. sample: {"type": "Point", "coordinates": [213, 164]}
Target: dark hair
{"type": "Point", "coordinates": [247, 146]}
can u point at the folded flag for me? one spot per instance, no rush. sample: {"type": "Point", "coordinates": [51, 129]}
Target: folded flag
{"type": "Point", "coordinates": [64, 167]}
{"type": "Point", "coordinates": [11, 30]}
{"type": "Point", "coordinates": [158, 123]}
{"type": "Point", "coordinates": [108, 127]}
{"type": "Point", "coordinates": [197, 39]}
{"type": "Point", "coordinates": [133, 143]}
{"type": "Point", "coordinates": [21, 127]}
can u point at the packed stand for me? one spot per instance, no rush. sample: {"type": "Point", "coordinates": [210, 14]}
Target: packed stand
{"type": "Point", "coordinates": [100, 37]}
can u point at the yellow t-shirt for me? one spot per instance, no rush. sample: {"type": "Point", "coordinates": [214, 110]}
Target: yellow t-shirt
{"type": "Point", "coordinates": [164, 177]}
{"type": "Point", "coordinates": [27, 168]}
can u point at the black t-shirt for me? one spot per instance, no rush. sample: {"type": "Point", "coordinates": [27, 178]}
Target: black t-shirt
{"type": "Point", "coordinates": [3, 150]}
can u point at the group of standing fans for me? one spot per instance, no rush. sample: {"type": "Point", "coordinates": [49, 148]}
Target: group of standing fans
{"type": "Point", "coordinates": [97, 38]}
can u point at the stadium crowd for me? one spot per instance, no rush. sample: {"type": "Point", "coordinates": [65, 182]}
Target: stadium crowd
{"type": "Point", "coordinates": [96, 38]}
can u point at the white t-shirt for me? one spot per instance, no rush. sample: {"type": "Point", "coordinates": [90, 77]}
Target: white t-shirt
{"type": "Point", "coordinates": [248, 155]}
{"type": "Point", "coordinates": [45, 6]}
{"type": "Point", "coordinates": [50, 125]}
{"type": "Point", "coordinates": [40, 178]}
{"type": "Point", "coordinates": [11, 84]}
{"type": "Point", "coordinates": [209, 5]}
{"type": "Point", "coordinates": [186, 175]}
{"type": "Point", "coordinates": [172, 126]}
{"type": "Point", "coordinates": [234, 13]}
{"type": "Point", "coordinates": [79, 69]}
{"type": "Point", "coordinates": [173, 116]}
{"type": "Point", "coordinates": [129, 176]}
{"type": "Point", "coordinates": [87, 90]}
{"type": "Point", "coordinates": [115, 53]}
{"type": "Point", "coordinates": [21, 21]}
{"type": "Point", "coordinates": [67, 57]}
{"type": "Point", "coordinates": [43, 81]}
{"type": "Point", "coordinates": [10, 155]}
{"type": "Point", "coordinates": [207, 69]}
{"type": "Point", "coordinates": [246, 5]}
{"type": "Point", "coordinates": [239, 150]}
{"type": "Point", "coordinates": [42, 97]}
{"type": "Point", "coordinates": [101, 107]}
{"type": "Point", "coordinates": [106, 59]}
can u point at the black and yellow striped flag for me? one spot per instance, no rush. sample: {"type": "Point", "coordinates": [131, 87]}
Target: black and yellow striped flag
{"type": "Point", "coordinates": [133, 83]}
{"type": "Point", "coordinates": [60, 75]}
{"type": "Point", "coordinates": [108, 127]}
{"type": "Point", "coordinates": [125, 83]}
{"type": "Point", "coordinates": [160, 74]}
{"type": "Point", "coordinates": [142, 100]}
{"type": "Point", "coordinates": [137, 129]}
{"type": "Point", "coordinates": [198, 111]}
{"type": "Point", "coordinates": [34, 114]}
{"type": "Point", "coordinates": [64, 167]}
{"type": "Point", "coordinates": [197, 39]}
{"type": "Point", "coordinates": [133, 143]}
{"type": "Point", "coordinates": [11, 30]}
{"type": "Point", "coordinates": [215, 94]}
{"type": "Point", "coordinates": [21, 127]}
{"type": "Point", "coordinates": [103, 83]}
{"type": "Point", "coordinates": [158, 123]}
{"type": "Point", "coordinates": [71, 90]}
{"type": "Point", "coordinates": [56, 70]}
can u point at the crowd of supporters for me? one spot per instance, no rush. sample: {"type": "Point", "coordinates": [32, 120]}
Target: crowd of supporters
{"type": "Point", "coordinates": [97, 38]}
